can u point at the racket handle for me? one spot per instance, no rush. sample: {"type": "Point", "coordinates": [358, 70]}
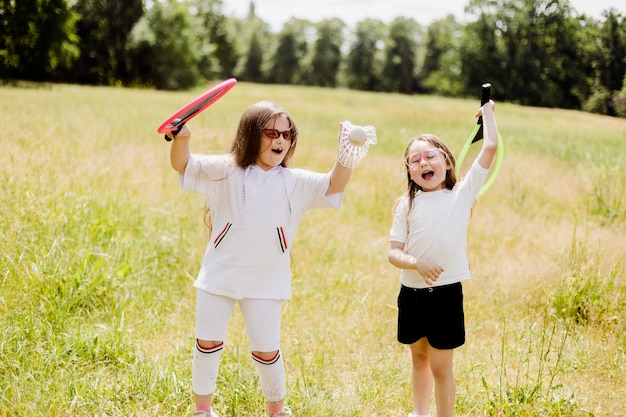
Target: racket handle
{"type": "Point", "coordinates": [174, 132]}
{"type": "Point", "coordinates": [485, 96]}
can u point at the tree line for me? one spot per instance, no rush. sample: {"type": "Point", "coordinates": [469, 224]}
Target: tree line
{"type": "Point", "coordinates": [534, 52]}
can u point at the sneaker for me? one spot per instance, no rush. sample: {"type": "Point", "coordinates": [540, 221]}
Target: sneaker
{"type": "Point", "coordinates": [202, 413]}
{"type": "Point", "coordinates": [282, 414]}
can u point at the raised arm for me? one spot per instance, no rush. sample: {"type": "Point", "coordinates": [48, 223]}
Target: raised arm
{"type": "Point", "coordinates": [490, 139]}
{"type": "Point", "coordinates": [180, 151]}
{"type": "Point", "coordinates": [339, 177]}
{"type": "Point", "coordinates": [349, 154]}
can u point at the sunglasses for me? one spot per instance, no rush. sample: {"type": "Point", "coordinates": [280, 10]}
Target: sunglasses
{"type": "Point", "coordinates": [275, 134]}
{"type": "Point", "coordinates": [431, 155]}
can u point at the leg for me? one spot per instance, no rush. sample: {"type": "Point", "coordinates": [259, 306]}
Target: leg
{"type": "Point", "coordinates": [262, 319]}
{"type": "Point", "coordinates": [445, 387]}
{"type": "Point", "coordinates": [271, 370]}
{"type": "Point", "coordinates": [205, 366]}
{"type": "Point", "coordinates": [212, 316]}
{"type": "Point", "coordinates": [421, 376]}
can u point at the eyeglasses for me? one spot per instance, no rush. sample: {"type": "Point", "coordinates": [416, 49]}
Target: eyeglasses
{"type": "Point", "coordinates": [275, 134]}
{"type": "Point", "coordinates": [431, 155]}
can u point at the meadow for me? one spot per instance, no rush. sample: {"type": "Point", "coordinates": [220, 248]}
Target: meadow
{"type": "Point", "coordinates": [99, 249]}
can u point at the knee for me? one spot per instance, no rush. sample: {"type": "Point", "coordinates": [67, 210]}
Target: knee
{"type": "Point", "coordinates": [420, 357]}
{"type": "Point", "coordinates": [442, 372]}
{"type": "Point", "coordinates": [265, 356]}
{"type": "Point", "coordinates": [208, 344]}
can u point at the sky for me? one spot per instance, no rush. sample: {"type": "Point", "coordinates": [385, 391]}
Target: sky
{"type": "Point", "coordinates": [277, 12]}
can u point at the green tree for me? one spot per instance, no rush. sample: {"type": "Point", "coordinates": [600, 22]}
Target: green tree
{"type": "Point", "coordinates": [36, 39]}
{"type": "Point", "coordinates": [253, 70]}
{"type": "Point", "coordinates": [611, 67]}
{"type": "Point", "coordinates": [401, 45]}
{"type": "Point", "coordinates": [481, 52]}
{"type": "Point", "coordinates": [165, 58]}
{"type": "Point", "coordinates": [285, 64]}
{"type": "Point", "coordinates": [441, 70]}
{"type": "Point", "coordinates": [527, 48]}
{"type": "Point", "coordinates": [327, 53]}
{"type": "Point", "coordinates": [103, 28]}
{"type": "Point", "coordinates": [364, 60]}
{"type": "Point", "coordinates": [219, 56]}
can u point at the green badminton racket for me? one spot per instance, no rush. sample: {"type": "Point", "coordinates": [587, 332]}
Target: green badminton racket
{"type": "Point", "coordinates": [475, 136]}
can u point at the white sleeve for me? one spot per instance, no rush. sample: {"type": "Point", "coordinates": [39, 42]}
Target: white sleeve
{"type": "Point", "coordinates": [311, 188]}
{"type": "Point", "coordinates": [474, 179]}
{"type": "Point", "coordinates": [203, 171]}
{"type": "Point", "coordinates": [400, 227]}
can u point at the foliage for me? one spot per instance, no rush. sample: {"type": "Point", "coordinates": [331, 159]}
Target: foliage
{"type": "Point", "coordinates": [103, 58]}
{"type": "Point", "coordinates": [585, 296]}
{"type": "Point", "coordinates": [529, 48]}
{"type": "Point", "coordinates": [171, 58]}
{"type": "Point", "coordinates": [618, 103]}
{"type": "Point", "coordinates": [532, 389]}
{"type": "Point", "coordinates": [598, 102]}
{"type": "Point", "coordinates": [404, 38]}
{"type": "Point", "coordinates": [219, 36]}
{"type": "Point", "coordinates": [37, 37]}
{"type": "Point", "coordinates": [291, 49]}
{"type": "Point", "coordinates": [364, 60]}
{"type": "Point", "coordinates": [326, 53]}
{"type": "Point", "coordinates": [534, 52]}
{"type": "Point", "coordinates": [441, 72]}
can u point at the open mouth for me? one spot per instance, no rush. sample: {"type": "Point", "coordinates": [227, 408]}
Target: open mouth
{"type": "Point", "coordinates": [427, 175]}
{"type": "Point", "coordinates": [277, 151]}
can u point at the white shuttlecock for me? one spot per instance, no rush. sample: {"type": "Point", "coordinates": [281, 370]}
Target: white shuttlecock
{"type": "Point", "coordinates": [354, 143]}
{"type": "Point", "coordinates": [357, 135]}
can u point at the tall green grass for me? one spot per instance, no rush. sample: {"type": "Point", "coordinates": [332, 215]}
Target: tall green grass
{"type": "Point", "coordinates": [99, 249]}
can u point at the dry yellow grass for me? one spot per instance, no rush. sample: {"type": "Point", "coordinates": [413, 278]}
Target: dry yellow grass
{"type": "Point", "coordinates": [72, 154]}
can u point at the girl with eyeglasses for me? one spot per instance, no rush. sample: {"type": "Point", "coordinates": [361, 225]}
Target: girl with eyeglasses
{"type": "Point", "coordinates": [428, 244]}
{"type": "Point", "coordinates": [254, 202]}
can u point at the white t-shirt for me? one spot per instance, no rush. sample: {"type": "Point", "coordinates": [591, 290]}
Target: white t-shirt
{"type": "Point", "coordinates": [254, 217]}
{"type": "Point", "coordinates": [436, 228]}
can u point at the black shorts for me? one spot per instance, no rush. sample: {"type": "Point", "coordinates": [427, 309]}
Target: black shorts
{"type": "Point", "coordinates": [435, 313]}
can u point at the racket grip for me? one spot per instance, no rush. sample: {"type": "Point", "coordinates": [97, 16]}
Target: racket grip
{"type": "Point", "coordinates": [174, 132]}
{"type": "Point", "coordinates": [486, 94]}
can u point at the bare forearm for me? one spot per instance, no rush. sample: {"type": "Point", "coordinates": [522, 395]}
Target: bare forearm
{"type": "Point", "coordinates": [180, 153]}
{"type": "Point", "coordinates": [401, 259]}
{"type": "Point", "coordinates": [489, 126]}
{"type": "Point", "coordinates": [490, 138]}
{"type": "Point", "coordinates": [339, 177]}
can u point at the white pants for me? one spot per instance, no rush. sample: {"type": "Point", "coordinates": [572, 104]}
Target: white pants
{"type": "Point", "coordinates": [261, 318]}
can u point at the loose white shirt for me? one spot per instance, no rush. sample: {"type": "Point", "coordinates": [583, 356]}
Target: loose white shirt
{"type": "Point", "coordinates": [436, 228]}
{"type": "Point", "coordinates": [254, 217]}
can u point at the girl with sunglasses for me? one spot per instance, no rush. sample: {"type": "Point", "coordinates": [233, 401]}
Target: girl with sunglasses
{"type": "Point", "coordinates": [428, 244]}
{"type": "Point", "coordinates": [254, 202]}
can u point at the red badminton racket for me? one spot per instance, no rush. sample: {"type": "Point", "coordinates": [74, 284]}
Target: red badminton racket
{"type": "Point", "coordinates": [178, 119]}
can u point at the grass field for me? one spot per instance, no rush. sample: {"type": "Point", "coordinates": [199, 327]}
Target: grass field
{"type": "Point", "coordinates": [99, 249]}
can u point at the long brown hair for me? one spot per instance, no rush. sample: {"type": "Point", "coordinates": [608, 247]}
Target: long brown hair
{"type": "Point", "coordinates": [451, 179]}
{"type": "Point", "coordinates": [247, 142]}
